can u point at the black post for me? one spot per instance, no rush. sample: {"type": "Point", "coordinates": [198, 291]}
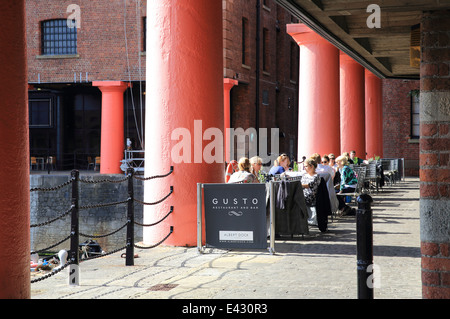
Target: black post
{"type": "Point", "coordinates": [74, 274]}
{"type": "Point", "coordinates": [364, 246]}
{"type": "Point", "coordinates": [258, 59]}
{"type": "Point", "coordinates": [129, 260]}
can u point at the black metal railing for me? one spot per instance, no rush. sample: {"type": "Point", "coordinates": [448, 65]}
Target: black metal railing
{"type": "Point", "coordinates": [74, 251]}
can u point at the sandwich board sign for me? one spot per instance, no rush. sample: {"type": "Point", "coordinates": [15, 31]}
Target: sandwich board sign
{"type": "Point", "coordinates": [235, 215]}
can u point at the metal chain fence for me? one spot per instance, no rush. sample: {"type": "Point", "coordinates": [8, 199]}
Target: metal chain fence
{"type": "Point", "coordinates": [73, 211]}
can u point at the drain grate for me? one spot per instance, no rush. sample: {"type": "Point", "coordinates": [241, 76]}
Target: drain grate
{"type": "Point", "coordinates": [162, 287]}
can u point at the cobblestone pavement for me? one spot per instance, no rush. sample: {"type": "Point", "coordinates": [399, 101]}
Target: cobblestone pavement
{"type": "Point", "coordinates": [318, 266]}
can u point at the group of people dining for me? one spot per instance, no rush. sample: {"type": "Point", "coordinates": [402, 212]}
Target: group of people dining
{"type": "Point", "coordinates": [344, 178]}
{"type": "Point", "coordinates": [247, 170]}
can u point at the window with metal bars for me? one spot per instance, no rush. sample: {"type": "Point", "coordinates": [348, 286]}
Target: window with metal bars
{"type": "Point", "coordinates": [415, 116]}
{"type": "Point", "coordinates": [58, 38]}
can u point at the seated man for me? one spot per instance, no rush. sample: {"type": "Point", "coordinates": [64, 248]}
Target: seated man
{"type": "Point", "coordinates": [353, 159]}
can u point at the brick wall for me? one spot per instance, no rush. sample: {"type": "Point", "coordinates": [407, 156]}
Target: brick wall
{"type": "Point", "coordinates": [435, 259]}
{"type": "Point", "coordinates": [101, 47]}
{"type": "Point", "coordinates": [397, 141]}
{"type": "Point", "coordinates": [435, 154]}
{"type": "Point", "coordinates": [281, 107]}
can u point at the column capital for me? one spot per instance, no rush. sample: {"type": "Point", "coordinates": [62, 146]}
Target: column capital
{"type": "Point", "coordinates": [229, 83]}
{"type": "Point", "coordinates": [302, 34]}
{"type": "Point", "coordinates": [111, 86]}
{"type": "Point", "coordinates": [297, 28]}
{"type": "Point", "coordinates": [344, 57]}
{"type": "Point", "coordinates": [370, 74]}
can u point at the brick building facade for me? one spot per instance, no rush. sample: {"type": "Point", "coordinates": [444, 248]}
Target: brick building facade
{"type": "Point", "coordinates": [106, 43]}
{"type": "Point", "coordinates": [111, 47]}
{"type": "Point", "coordinates": [102, 53]}
{"type": "Point", "coordinates": [399, 140]}
{"type": "Point", "coordinates": [276, 105]}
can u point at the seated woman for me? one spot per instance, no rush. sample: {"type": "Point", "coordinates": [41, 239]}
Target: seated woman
{"type": "Point", "coordinates": [332, 162]}
{"type": "Point", "coordinates": [347, 184]}
{"type": "Point", "coordinates": [255, 163]}
{"type": "Point", "coordinates": [280, 165]}
{"type": "Point", "coordinates": [310, 183]}
{"type": "Point", "coordinates": [326, 163]}
{"type": "Point", "coordinates": [322, 167]}
{"type": "Point", "coordinates": [243, 175]}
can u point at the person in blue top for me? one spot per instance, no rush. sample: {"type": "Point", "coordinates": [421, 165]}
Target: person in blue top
{"type": "Point", "coordinates": [280, 165]}
{"type": "Point", "coordinates": [347, 184]}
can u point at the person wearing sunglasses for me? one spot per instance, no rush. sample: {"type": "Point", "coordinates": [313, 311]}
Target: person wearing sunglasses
{"type": "Point", "coordinates": [329, 168]}
{"type": "Point", "coordinates": [256, 164]}
{"type": "Point", "coordinates": [332, 162]}
{"type": "Point", "coordinates": [321, 167]}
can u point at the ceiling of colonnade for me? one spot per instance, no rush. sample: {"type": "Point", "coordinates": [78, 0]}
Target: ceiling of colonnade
{"type": "Point", "coordinates": [376, 33]}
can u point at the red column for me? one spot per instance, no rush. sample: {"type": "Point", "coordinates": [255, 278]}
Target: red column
{"type": "Point", "coordinates": [227, 86]}
{"type": "Point", "coordinates": [184, 81]}
{"type": "Point", "coordinates": [318, 126]}
{"type": "Point", "coordinates": [112, 140]}
{"type": "Point", "coordinates": [353, 131]}
{"type": "Point", "coordinates": [374, 115]}
{"type": "Point", "coordinates": [14, 177]}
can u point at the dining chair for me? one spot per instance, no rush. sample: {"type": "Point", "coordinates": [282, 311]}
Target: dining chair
{"type": "Point", "coordinates": [97, 163]}
{"type": "Point", "coordinates": [33, 162]}
{"type": "Point", "coordinates": [90, 162]}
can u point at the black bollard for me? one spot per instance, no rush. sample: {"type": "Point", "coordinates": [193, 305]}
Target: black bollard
{"type": "Point", "coordinates": [364, 246]}
{"type": "Point", "coordinates": [129, 261]}
{"type": "Point", "coordinates": [74, 275]}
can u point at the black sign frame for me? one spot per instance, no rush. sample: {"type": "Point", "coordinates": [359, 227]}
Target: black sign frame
{"type": "Point", "coordinates": [235, 216]}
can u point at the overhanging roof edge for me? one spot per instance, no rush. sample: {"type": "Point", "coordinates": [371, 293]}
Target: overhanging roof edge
{"type": "Point", "coordinates": [313, 24]}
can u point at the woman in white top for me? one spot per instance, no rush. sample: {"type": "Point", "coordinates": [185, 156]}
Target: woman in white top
{"type": "Point", "coordinates": [243, 175]}
{"type": "Point", "coordinates": [332, 162]}
{"type": "Point", "coordinates": [326, 163]}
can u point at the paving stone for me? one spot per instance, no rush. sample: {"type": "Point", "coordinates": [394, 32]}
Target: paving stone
{"type": "Point", "coordinates": [318, 266]}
